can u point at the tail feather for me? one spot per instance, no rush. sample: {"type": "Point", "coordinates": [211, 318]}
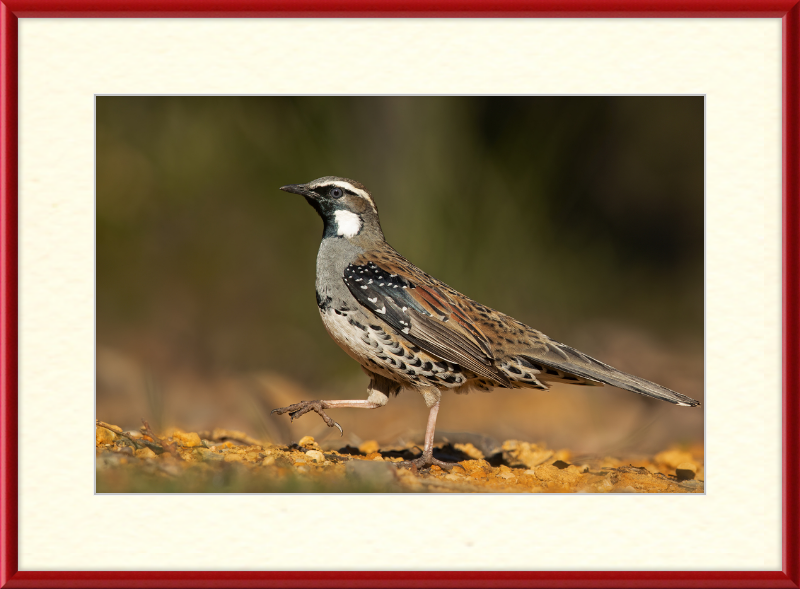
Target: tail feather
{"type": "Point", "coordinates": [569, 360]}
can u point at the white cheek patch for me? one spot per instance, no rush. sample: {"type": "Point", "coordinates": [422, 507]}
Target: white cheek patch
{"type": "Point", "coordinates": [347, 224]}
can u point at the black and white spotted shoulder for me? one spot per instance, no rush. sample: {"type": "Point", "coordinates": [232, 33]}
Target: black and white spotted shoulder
{"type": "Point", "coordinates": [401, 304]}
{"type": "Point", "coordinates": [383, 293]}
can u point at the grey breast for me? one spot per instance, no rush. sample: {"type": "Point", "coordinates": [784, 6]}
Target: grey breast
{"type": "Point", "coordinates": [333, 257]}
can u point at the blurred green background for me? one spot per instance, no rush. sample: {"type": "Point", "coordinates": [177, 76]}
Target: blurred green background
{"type": "Point", "coordinates": [581, 216]}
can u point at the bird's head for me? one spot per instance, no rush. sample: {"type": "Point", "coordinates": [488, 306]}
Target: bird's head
{"type": "Point", "coordinates": [346, 207]}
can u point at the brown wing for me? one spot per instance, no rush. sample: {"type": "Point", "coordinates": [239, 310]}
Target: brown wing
{"type": "Point", "coordinates": [414, 304]}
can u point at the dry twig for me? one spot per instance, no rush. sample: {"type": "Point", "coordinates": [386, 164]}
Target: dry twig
{"type": "Point", "coordinates": [119, 432]}
{"type": "Point", "coordinates": [162, 445]}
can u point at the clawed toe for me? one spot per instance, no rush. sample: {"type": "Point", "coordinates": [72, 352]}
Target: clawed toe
{"type": "Point", "coordinates": [303, 407]}
{"type": "Point", "coordinates": [425, 461]}
{"type": "Point", "coordinates": [295, 410]}
{"type": "Point", "coordinates": [282, 410]}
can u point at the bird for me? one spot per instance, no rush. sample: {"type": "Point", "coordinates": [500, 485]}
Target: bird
{"type": "Point", "coordinates": [409, 330]}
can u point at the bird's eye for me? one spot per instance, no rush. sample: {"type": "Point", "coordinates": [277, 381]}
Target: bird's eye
{"type": "Point", "coordinates": [336, 192]}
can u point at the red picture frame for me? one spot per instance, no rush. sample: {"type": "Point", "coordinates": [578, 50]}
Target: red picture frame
{"type": "Point", "coordinates": [11, 10]}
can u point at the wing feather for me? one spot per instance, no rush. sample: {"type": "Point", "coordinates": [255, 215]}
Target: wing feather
{"type": "Point", "coordinates": [415, 306]}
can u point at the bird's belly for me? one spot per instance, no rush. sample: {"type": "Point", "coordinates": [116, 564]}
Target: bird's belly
{"type": "Point", "coordinates": [381, 351]}
{"type": "Point", "coordinates": [349, 336]}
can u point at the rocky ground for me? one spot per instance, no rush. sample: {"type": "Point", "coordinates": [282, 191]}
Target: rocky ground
{"type": "Point", "coordinates": [226, 461]}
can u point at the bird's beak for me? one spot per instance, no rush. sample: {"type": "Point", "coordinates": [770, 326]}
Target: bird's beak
{"type": "Point", "coordinates": [298, 189]}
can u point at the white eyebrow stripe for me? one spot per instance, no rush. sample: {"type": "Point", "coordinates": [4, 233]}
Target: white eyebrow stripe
{"type": "Point", "coordinates": [347, 186]}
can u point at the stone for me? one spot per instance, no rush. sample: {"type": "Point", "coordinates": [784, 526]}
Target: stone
{"type": "Point", "coordinates": [208, 455]}
{"type": "Point", "coordinates": [469, 450]}
{"type": "Point", "coordinates": [145, 453]}
{"type": "Point", "coordinates": [368, 447]}
{"type": "Point", "coordinates": [686, 471]}
{"type": "Point", "coordinates": [188, 440]}
{"type": "Point", "coordinates": [672, 458]}
{"type": "Point", "coordinates": [474, 465]}
{"type": "Point", "coordinates": [517, 453]}
{"type": "Point", "coordinates": [308, 442]}
{"type": "Point", "coordinates": [316, 456]}
{"type": "Point", "coordinates": [104, 436]}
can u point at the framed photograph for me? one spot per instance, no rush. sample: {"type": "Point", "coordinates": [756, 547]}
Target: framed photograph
{"type": "Point", "coordinates": [140, 221]}
{"type": "Point", "coordinates": [541, 219]}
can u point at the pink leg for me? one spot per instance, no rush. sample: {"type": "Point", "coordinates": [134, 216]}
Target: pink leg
{"type": "Point", "coordinates": [358, 404]}
{"type": "Point", "coordinates": [427, 458]}
{"type": "Point", "coordinates": [430, 430]}
{"type": "Point", "coordinates": [303, 407]}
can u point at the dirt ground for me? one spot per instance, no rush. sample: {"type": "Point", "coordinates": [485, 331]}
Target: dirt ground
{"type": "Point", "coordinates": [230, 461]}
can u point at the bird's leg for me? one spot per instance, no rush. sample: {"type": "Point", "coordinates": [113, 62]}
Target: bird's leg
{"type": "Point", "coordinates": [427, 458]}
{"type": "Point", "coordinates": [377, 398]}
{"type": "Point", "coordinates": [303, 407]}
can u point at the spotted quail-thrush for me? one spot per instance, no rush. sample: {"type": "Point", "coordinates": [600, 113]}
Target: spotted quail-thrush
{"type": "Point", "coordinates": [410, 330]}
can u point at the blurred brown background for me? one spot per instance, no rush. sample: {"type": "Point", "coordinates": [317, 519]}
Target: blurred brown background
{"type": "Point", "coordinates": [581, 216]}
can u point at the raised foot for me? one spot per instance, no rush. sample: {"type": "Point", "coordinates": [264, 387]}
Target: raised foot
{"type": "Point", "coordinates": [303, 407]}
{"type": "Point", "coordinates": [425, 461]}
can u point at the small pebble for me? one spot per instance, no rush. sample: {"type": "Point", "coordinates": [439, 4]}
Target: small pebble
{"type": "Point", "coordinates": [104, 436]}
{"type": "Point", "coordinates": [145, 453]}
{"type": "Point", "coordinates": [469, 450]}
{"type": "Point", "coordinates": [473, 465]}
{"type": "Point", "coordinates": [234, 457]}
{"type": "Point", "coordinates": [188, 440]}
{"type": "Point", "coordinates": [517, 453]}
{"type": "Point", "coordinates": [672, 458]}
{"type": "Point", "coordinates": [308, 442]}
{"type": "Point", "coordinates": [563, 455]}
{"type": "Point", "coordinates": [123, 450]}
{"type": "Point", "coordinates": [686, 471]}
{"type": "Point", "coordinates": [208, 455]}
{"type": "Point", "coordinates": [368, 447]}
{"type": "Point", "coordinates": [315, 455]}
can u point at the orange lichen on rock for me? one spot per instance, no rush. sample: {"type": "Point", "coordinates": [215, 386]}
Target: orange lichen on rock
{"type": "Point", "coordinates": [125, 464]}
